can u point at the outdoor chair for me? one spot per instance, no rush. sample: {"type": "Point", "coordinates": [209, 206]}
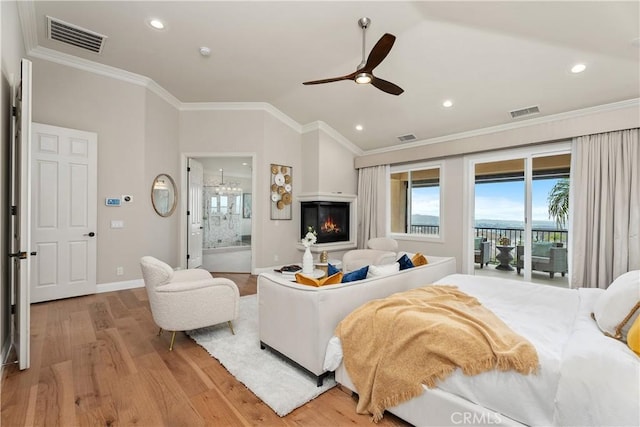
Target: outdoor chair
{"type": "Point", "coordinates": [481, 251]}
{"type": "Point", "coordinates": [545, 256]}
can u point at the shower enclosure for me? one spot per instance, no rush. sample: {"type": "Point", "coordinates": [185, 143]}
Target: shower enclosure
{"type": "Point", "coordinates": [222, 214]}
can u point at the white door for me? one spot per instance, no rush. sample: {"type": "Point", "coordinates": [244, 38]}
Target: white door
{"type": "Point", "coordinates": [194, 214]}
{"type": "Point", "coordinates": [63, 218]}
{"type": "Point", "coordinates": [20, 211]}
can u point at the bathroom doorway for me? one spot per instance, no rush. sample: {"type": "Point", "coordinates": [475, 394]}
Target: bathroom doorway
{"type": "Point", "coordinates": [227, 213]}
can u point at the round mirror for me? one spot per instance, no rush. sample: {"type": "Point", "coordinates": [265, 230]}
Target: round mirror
{"type": "Point", "coordinates": [163, 195]}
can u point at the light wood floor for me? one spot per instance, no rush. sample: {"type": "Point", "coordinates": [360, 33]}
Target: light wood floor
{"type": "Point", "coordinates": [98, 361]}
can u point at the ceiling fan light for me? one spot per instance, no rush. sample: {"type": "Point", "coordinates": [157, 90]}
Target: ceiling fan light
{"type": "Point", "coordinates": [363, 78]}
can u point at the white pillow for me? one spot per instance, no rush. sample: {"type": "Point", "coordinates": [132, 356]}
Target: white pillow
{"type": "Point", "coordinates": [619, 303]}
{"type": "Point", "coordinates": [383, 270]}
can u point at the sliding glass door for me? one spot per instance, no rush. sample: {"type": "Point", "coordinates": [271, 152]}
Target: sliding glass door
{"type": "Point", "coordinates": [517, 214]}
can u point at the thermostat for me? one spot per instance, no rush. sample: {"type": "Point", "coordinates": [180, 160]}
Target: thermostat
{"type": "Point", "coordinates": [112, 201]}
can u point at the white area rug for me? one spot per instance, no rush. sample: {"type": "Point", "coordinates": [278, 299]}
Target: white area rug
{"type": "Point", "coordinates": [281, 385]}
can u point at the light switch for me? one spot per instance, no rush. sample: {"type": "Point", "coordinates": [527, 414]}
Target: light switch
{"type": "Point", "coordinates": [117, 223]}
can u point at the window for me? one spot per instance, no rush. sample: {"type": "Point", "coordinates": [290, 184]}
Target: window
{"type": "Point", "coordinates": [415, 200]}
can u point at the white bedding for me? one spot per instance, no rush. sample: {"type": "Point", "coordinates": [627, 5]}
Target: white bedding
{"type": "Point", "coordinates": [585, 378]}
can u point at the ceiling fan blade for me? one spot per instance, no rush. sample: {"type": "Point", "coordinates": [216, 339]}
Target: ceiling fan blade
{"type": "Point", "coordinates": [386, 86]}
{"type": "Point", "coordinates": [379, 52]}
{"type": "Point", "coordinates": [332, 79]}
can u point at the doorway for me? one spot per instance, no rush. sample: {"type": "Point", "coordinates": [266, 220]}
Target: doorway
{"type": "Point", "coordinates": [226, 209]}
{"type": "Point", "coordinates": [518, 210]}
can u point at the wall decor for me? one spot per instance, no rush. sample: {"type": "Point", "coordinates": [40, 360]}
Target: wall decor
{"type": "Point", "coordinates": [281, 189]}
{"type": "Point", "coordinates": [164, 196]}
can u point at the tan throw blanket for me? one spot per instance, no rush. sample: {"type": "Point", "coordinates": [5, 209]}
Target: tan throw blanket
{"type": "Point", "coordinates": [394, 345]}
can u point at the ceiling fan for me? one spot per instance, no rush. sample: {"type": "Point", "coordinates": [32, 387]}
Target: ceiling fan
{"type": "Point", "coordinates": [364, 71]}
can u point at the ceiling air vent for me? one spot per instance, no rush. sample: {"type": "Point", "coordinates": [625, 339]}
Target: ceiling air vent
{"type": "Point", "coordinates": [524, 112]}
{"type": "Point", "coordinates": [74, 35]}
{"type": "Point", "coordinates": [406, 138]}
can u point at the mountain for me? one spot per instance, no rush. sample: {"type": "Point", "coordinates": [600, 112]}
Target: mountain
{"type": "Point", "coordinates": [419, 219]}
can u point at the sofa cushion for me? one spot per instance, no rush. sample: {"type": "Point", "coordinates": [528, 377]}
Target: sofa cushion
{"type": "Point", "coordinates": [310, 281]}
{"type": "Point", "coordinates": [477, 242]}
{"type": "Point", "coordinates": [541, 249]}
{"type": "Point", "coordinates": [419, 259]}
{"type": "Point", "coordinates": [405, 262]}
{"type": "Point", "coordinates": [383, 270]}
{"type": "Point", "coordinates": [359, 274]}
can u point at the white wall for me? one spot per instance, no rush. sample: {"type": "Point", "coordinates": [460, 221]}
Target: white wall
{"type": "Point", "coordinates": [219, 132]}
{"type": "Point", "coordinates": [137, 137]}
{"type": "Point", "coordinates": [161, 155]}
{"type": "Point", "coordinates": [328, 164]}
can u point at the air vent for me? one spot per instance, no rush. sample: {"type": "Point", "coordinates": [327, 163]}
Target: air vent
{"type": "Point", "coordinates": [74, 35]}
{"type": "Point", "coordinates": [406, 138]}
{"type": "Point", "coordinates": [524, 112]}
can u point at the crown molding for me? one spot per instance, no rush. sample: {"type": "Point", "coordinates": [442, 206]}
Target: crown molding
{"type": "Point", "coordinates": [242, 106]}
{"type": "Point", "coordinates": [634, 102]}
{"type": "Point", "coordinates": [320, 125]}
{"type": "Point", "coordinates": [103, 70]}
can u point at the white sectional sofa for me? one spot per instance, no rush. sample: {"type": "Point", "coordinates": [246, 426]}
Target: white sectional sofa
{"type": "Point", "coordinates": [298, 321]}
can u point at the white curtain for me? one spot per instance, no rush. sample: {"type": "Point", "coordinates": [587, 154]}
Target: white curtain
{"type": "Point", "coordinates": [605, 207]}
{"type": "Point", "coordinates": [372, 203]}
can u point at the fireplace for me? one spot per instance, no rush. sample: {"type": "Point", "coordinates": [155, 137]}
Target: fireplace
{"type": "Point", "coordinates": [329, 219]}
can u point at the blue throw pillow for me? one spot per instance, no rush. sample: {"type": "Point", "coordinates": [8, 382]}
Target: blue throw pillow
{"type": "Point", "coordinates": [356, 275]}
{"type": "Point", "coordinates": [405, 262]}
{"type": "Point", "coordinates": [331, 270]}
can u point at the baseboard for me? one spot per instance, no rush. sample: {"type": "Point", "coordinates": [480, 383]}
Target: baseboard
{"type": "Point", "coordinates": [119, 286]}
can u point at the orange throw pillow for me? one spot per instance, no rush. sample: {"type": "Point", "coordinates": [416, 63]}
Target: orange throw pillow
{"type": "Point", "coordinates": [310, 281]}
{"type": "Point", "coordinates": [419, 259]}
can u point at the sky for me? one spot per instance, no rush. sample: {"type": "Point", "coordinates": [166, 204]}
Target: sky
{"type": "Point", "coordinates": [505, 200]}
{"type": "Point", "coordinates": [502, 201]}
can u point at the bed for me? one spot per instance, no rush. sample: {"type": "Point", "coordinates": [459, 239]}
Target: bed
{"type": "Point", "coordinates": [584, 377]}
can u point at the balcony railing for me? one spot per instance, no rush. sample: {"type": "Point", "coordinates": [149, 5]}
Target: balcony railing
{"type": "Point", "coordinates": [515, 235]}
{"type": "Point", "coordinates": [425, 229]}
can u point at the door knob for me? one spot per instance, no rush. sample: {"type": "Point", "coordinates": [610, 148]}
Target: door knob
{"type": "Point", "coordinates": [90, 234]}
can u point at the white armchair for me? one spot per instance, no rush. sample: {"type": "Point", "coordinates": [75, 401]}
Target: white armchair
{"type": "Point", "coordinates": [187, 299]}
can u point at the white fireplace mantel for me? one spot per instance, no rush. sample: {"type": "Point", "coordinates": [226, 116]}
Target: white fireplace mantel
{"type": "Point", "coordinates": [352, 199]}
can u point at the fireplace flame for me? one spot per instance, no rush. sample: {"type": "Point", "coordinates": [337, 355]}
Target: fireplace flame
{"type": "Point", "coordinates": [329, 226]}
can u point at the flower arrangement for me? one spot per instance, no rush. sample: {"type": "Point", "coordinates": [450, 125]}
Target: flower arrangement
{"type": "Point", "coordinates": [310, 238]}
{"type": "Point", "coordinates": [504, 241]}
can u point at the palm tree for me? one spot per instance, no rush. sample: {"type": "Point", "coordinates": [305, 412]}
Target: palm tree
{"type": "Point", "coordinates": [558, 202]}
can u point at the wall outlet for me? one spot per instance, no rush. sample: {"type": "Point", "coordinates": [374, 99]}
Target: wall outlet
{"type": "Point", "coordinates": [119, 271]}
{"type": "Point", "coordinates": [276, 257]}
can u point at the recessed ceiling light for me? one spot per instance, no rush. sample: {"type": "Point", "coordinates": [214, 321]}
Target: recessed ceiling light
{"type": "Point", "coordinates": [157, 24]}
{"type": "Point", "coordinates": [448, 103]}
{"type": "Point", "coordinates": [244, 163]}
{"type": "Point", "coordinates": [578, 68]}
{"type": "Point", "coordinates": [359, 127]}
{"type": "Point", "coordinates": [205, 51]}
